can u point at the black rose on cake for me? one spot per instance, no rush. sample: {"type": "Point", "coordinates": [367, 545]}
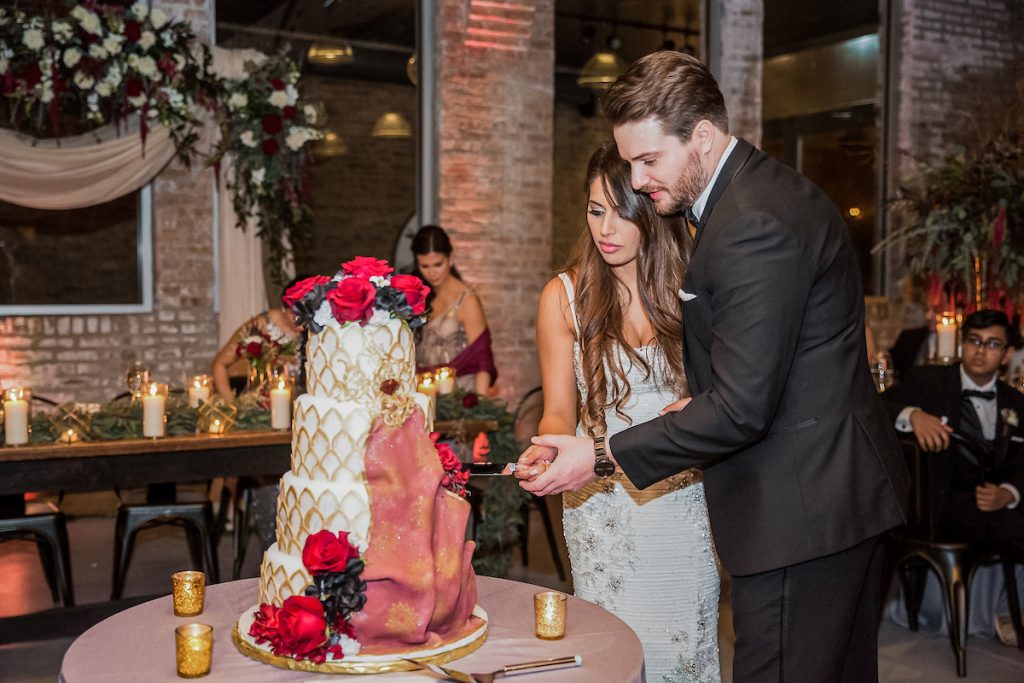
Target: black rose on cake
{"type": "Point", "coordinates": [365, 291]}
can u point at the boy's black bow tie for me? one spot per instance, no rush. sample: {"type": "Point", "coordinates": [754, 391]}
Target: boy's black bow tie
{"type": "Point", "coordinates": [974, 393]}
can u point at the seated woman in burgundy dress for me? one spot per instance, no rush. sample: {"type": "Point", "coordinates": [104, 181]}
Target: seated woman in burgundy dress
{"type": "Point", "coordinates": [456, 332]}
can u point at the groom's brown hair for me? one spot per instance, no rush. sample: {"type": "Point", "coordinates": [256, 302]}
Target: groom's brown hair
{"type": "Point", "coordinates": [673, 87]}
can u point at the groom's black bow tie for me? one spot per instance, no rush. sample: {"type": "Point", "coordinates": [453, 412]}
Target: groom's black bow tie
{"type": "Point", "coordinates": [974, 393]}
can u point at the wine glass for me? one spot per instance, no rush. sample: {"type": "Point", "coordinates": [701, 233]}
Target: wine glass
{"type": "Point", "coordinates": [136, 378]}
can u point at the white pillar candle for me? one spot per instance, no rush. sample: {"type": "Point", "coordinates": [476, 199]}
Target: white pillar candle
{"type": "Point", "coordinates": [153, 405]}
{"type": "Point", "coordinates": [15, 422]}
{"type": "Point", "coordinates": [445, 380]}
{"type": "Point", "coordinates": [197, 393]}
{"type": "Point", "coordinates": [945, 338]}
{"type": "Point", "coordinates": [281, 407]}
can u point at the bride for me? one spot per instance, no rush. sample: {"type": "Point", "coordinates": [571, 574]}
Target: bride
{"type": "Point", "coordinates": [608, 331]}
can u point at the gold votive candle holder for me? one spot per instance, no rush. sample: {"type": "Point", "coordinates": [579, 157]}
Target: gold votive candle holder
{"type": "Point", "coordinates": [193, 648]}
{"type": "Point", "coordinates": [188, 590]}
{"type": "Point", "coordinates": [549, 614]}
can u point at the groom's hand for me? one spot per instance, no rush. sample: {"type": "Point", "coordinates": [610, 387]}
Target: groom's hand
{"type": "Point", "coordinates": [571, 469]}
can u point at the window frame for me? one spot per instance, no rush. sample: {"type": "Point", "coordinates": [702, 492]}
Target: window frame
{"type": "Point", "coordinates": [144, 259]}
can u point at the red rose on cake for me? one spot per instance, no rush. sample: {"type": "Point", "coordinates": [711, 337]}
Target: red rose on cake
{"type": "Point", "coordinates": [367, 267]}
{"type": "Point", "coordinates": [324, 552]}
{"type": "Point", "coordinates": [301, 288]}
{"type": "Point", "coordinates": [297, 628]}
{"type": "Point", "coordinates": [352, 300]}
{"type": "Point", "coordinates": [415, 291]}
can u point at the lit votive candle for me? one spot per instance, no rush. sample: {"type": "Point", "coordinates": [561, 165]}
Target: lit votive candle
{"type": "Point", "coordinates": [154, 404]}
{"type": "Point", "coordinates": [281, 406]}
{"type": "Point", "coordinates": [549, 614]}
{"type": "Point", "coordinates": [199, 390]}
{"type": "Point", "coordinates": [193, 647]}
{"type": "Point", "coordinates": [945, 337]}
{"type": "Point", "coordinates": [188, 590]}
{"type": "Point", "coordinates": [216, 426]}
{"type": "Point", "coordinates": [69, 436]}
{"type": "Point", "coordinates": [16, 413]}
{"type": "Point", "coordinates": [445, 380]}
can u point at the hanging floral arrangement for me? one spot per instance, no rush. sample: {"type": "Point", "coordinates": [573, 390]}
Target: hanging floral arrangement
{"type": "Point", "coordinates": [93, 64]}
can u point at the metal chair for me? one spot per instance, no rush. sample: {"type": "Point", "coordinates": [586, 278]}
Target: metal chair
{"type": "Point", "coordinates": [916, 547]}
{"type": "Point", "coordinates": [50, 533]}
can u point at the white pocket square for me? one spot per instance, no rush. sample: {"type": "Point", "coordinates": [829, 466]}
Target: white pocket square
{"type": "Point", "coordinates": [686, 296]}
{"type": "Point", "coordinates": [1017, 439]}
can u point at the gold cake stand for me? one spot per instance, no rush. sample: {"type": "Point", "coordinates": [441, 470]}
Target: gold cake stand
{"type": "Point", "coordinates": [363, 664]}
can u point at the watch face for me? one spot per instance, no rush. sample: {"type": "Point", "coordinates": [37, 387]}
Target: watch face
{"type": "Point", "coordinates": [604, 467]}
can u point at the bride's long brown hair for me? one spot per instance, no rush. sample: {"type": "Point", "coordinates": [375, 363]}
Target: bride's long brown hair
{"type": "Point", "coordinates": [601, 297]}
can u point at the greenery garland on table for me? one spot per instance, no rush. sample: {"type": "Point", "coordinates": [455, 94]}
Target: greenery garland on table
{"type": "Point", "coordinates": [95, 63]}
{"type": "Point", "coordinates": [498, 532]}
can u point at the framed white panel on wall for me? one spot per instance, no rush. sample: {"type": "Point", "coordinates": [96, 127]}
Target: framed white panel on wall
{"type": "Point", "coordinates": [91, 261]}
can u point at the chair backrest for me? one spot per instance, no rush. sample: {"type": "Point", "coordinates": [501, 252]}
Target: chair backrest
{"type": "Point", "coordinates": [923, 509]}
{"type": "Point", "coordinates": [528, 415]}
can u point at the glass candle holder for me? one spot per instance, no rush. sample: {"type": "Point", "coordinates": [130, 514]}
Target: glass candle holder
{"type": "Point", "coordinates": [17, 411]}
{"type": "Point", "coordinates": [154, 410]}
{"type": "Point", "coordinates": [193, 648]}
{"type": "Point", "coordinates": [199, 390]}
{"type": "Point", "coordinates": [215, 417]}
{"type": "Point", "coordinates": [549, 614]}
{"type": "Point", "coordinates": [445, 378]}
{"type": "Point", "coordinates": [188, 591]}
{"type": "Point", "coordinates": [281, 403]}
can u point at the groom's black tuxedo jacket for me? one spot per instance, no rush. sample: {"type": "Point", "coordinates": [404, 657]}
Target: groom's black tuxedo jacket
{"type": "Point", "coordinates": [800, 457]}
{"type": "Point", "coordinates": [936, 390]}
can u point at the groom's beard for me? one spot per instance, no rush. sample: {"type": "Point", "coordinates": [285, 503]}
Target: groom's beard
{"type": "Point", "coordinates": [684, 193]}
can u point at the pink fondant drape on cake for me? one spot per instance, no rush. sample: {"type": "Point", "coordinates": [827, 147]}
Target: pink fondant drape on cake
{"type": "Point", "coordinates": [421, 588]}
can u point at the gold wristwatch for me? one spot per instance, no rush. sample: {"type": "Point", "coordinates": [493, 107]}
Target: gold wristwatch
{"type": "Point", "coordinates": [603, 465]}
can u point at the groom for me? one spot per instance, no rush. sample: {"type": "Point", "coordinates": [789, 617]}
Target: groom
{"type": "Point", "coordinates": [802, 468]}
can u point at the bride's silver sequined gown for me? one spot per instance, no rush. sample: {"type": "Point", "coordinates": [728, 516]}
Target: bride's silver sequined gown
{"type": "Point", "coordinates": [647, 556]}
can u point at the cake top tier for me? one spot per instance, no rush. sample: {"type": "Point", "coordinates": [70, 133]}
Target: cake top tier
{"type": "Point", "coordinates": [366, 291]}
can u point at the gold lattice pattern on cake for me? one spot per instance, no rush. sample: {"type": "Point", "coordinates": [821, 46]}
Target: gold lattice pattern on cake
{"type": "Point", "coordinates": [277, 584]}
{"type": "Point", "coordinates": [301, 513]}
{"type": "Point", "coordinates": [346, 372]}
{"type": "Point", "coordinates": [327, 445]}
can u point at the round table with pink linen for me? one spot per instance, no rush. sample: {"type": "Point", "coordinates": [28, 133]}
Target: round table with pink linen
{"type": "Point", "coordinates": [138, 643]}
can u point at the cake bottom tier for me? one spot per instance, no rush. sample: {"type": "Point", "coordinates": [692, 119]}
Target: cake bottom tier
{"type": "Point", "coordinates": [456, 646]}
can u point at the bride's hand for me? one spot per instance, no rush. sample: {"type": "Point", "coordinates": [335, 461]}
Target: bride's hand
{"type": "Point", "coordinates": [676, 405]}
{"type": "Point", "coordinates": [533, 461]}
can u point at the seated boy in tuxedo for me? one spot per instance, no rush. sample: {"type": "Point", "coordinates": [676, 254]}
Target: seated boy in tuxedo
{"type": "Point", "coordinates": [976, 490]}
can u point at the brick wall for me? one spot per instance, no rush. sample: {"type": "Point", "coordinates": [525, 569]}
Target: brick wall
{"type": "Point", "coordinates": [738, 67]}
{"type": "Point", "coordinates": [361, 200]}
{"type": "Point", "coordinates": [84, 357]}
{"type": "Point", "coordinates": [495, 120]}
{"type": "Point", "coordinates": [576, 139]}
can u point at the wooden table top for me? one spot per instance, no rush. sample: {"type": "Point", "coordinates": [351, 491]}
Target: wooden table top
{"type": "Point", "coordinates": [167, 444]}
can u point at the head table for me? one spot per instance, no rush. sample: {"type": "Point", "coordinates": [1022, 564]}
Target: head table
{"type": "Point", "coordinates": [138, 644]}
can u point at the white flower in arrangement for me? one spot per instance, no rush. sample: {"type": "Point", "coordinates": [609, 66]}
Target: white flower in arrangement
{"type": "Point", "coordinates": [158, 17]}
{"type": "Point", "coordinates": [309, 111]}
{"type": "Point", "coordinates": [380, 280]}
{"type": "Point", "coordinates": [179, 61]}
{"type": "Point", "coordinates": [104, 89]}
{"type": "Point", "coordinates": [97, 51]}
{"type": "Point", "coordinates": [349, 647]}
{"type": "Point", "coordinates": [33, 39]}
{"type": "Point", "coordinates": [93, 100]}
{"type": "Point", "coordinates": [90, 23]}
{"type": "Point", "coordinates": [248, 139]}
{"type": "Point", "coordinates": [167, 38]}
{"type": "Point", "coordinates": [133, 61]}
{"type": "Point", "coordinates": [137, 101]}
{"type": "Point", "coordinates": [4, 63]}
{"type": "Point", "coordinates": [292, 94]}
{"type": "Point", "coordinates": [300, 136]}
{"type": "Point", "coordinates": [62, 30]}
{"type": "Point", "coordinates": [147, 40]}
{"type": "Point", "coordinates": [238, 100]}
{"type": "Point", "coordinates": [278, 98]}
{"type": "Point", "coordinates": [139, 10]}
{"type": "Point", "coordinates": [72, 56]}
{"type": "Point", "coordinates": [152, 113]}
{"type": "Point", "coordinates": [323, 315]}
{"type": "Point", "coordinates": [46, 95]}
{"type": "Point", "coordinates": [84, 81]}
{"type": "Point", "coordinates": [147, 67]}
{"type": "Point", "coordinates": [112, 44]}
{"type": "Point", "coordinates": [258, 176]}
{"type": "Point", "coordinates": [113, 76]}
{"type": "Point", "coordinates": [174, 97]}
{"type": "Point", "coordinates": [379, 317]}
